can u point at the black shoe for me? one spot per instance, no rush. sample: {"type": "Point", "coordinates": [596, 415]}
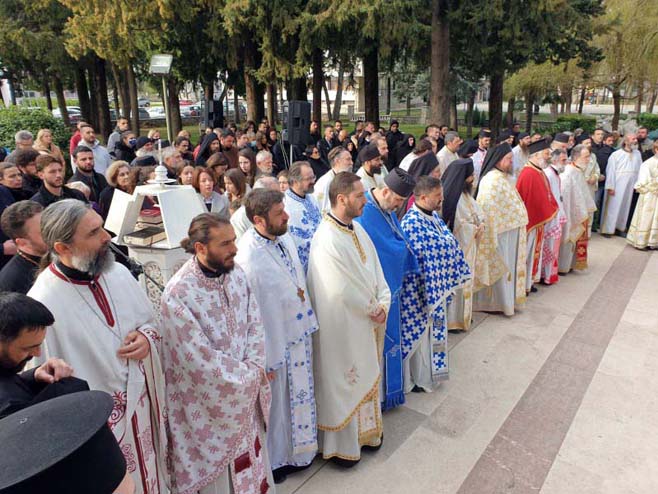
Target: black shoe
{"type": "Point", "coordinates": [279, 475]}
{"type": "Point", "coordinates": [343, 463]}
{"type": "Point", "coordinates": [367, 447]}
{"type": "Point", "coordinates": [417, 389]}
{"type": "Point", "coordinates": [534, 289]}
{"type": "Point", "coordinates": [606, 235]}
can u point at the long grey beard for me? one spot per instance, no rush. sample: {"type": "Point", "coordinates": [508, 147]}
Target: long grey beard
{"type": "Point", "coordinates": [95, 265]}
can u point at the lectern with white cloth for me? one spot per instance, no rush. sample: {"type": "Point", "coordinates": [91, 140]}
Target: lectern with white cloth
{"type": "Point", "coordinates": [178, 205]}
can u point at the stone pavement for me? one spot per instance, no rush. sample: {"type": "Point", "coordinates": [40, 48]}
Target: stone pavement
{"type": "Point", "coordinates": [559, 399]}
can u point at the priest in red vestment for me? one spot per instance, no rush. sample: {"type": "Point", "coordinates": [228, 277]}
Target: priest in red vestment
{"type": "Point", "coordinates": [534, 189]}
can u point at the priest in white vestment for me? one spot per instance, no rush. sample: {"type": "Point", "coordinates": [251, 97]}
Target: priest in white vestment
{"type": "Point", "coordinates": [553, 229]}
{"type": "Point", "coordinates": [340, 160]}
{"type": "Point", "coordinates": [218, 394]}
{"type": "Point", "coordinates": [592, 173]}
{"type": "Point", "coordinates": [239, 220]}
{"type": "Point", "coordinates": [268, 256]}
{"type": "Point", "coordinates": [351, 300]}
{"type": "Point", "coordinates": [463, 217]}
{"type": "Point", "coordinates": [500, 267]}
{"type": "Point", "coordinates": [302, 208]}
{"type": "Point", "coordinates": [425, 295]}
{"type": "Point", "coordinates": [643, 232]}
{"type": "Point", "coordinates": [578, 206]}
{"type": "Point", "coordinates": [520, 154]}
{"type": "Point", "coordinates": [105, 329]}
{"type": "Point", "coordinates": [370, 172]}
{"type": "Point", "coordinates": [621, 176]}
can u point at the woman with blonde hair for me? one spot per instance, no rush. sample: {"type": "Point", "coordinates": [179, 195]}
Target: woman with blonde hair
{"type": "Point", "coordinates": [45, 145]}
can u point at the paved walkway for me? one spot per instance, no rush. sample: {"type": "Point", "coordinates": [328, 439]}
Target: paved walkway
{"type": "Point", "coordinates": [562, 398]}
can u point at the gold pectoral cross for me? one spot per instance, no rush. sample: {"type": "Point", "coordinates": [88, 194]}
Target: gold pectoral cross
{"type": "Point", "coordinates": [300, 294]}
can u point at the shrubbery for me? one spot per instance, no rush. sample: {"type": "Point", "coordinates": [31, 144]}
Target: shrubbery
{"type": "Point", "coordinates": [649, 120]}
{"type": "Point", "coordinates": [573, 122]}
{"type": "Point", "coordinates": [15, 118]}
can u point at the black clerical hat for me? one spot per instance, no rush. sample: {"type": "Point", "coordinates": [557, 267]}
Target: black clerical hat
{"type": "Point", "coordinates": [484, 133]}
{"type": "Point", "coordinates": [370, 152]}
{"type": "Point", "coordinates": [537, 146]}
{"type": "Point", "coordinates": [582, 137]}
{"type": "Point", "coordinates": [63, 445]}
{"type": "Point", "coordinates": [561, 137]}
{"type": "Point", "coordinates": [523, 135]}
{"type": "Point", "coordinates": [400, 182]}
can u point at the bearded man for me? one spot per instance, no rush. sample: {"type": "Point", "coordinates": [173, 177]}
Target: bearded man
{"type": "Point", "coordinates": [105, 328]}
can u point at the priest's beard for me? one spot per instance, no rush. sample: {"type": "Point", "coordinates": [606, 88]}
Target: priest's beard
{"type": "Point", "coordinates": [276, 231]}
{"type": "Point", "coordinates": [219, 265]}
{"type": "Point", "coordinates": [8, 367]}
{"type": "Point", "coordinates": [93, 264]}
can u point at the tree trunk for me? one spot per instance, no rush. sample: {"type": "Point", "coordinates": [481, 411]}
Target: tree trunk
{"type": "Point", "coordinates": [326, 98]}
{"type": "Point", "coordinates": [454, 121]}
{"type": "Point", "coordinates": [104, 123]}
{"type": "Point", "coordinates": [496, 102]}
{"type": "Point", "coordinates": [236, 106]}
{"type": "Point", "coordinates": [46, 92]}
{"type": "Point", "coordinates": [616, 103]}
{"type": "Point", "coordinates": [554, 108]}
{"type": "Point", "coordinates": [529, 102]}
{"type": "Point", "coordinates": [318, 77]}
{"type": "Point", "coordinates": [581, 100]}
{"type": "Point", "coordinates": [388, 94]}
{"type": "Point", "coordinates": [134, 105]}
{"type": "Point", "coordinates": [83, 91]}
{"type": "Point", "coordinates": [271, 103]}
{"type": "Point", "coordinates": [652, 99]}
{"type": "Point", "coordinates": [175, 119]}
{"type": "Point", "coordinates": [93, 95]}
{"type": "Point", "coordinates": [510, 112]}
{"type": "Point", "coordinates": [408, 104]}
{"type": "Point", "coordinates": [568, 99]}
{"type": "Point", "coordinates": [470, 105]}
{"type": "Point", "coordinates": [124, 99]}
{"type": "Point", "coordinates": [371, 83]}
{"type": "Point", "coordinates": [255, 90]}
{"type": "Point", "coordinates": [640, 97]}
{"type": "Point", "coordinates": [115, 98]}
{"type": "Point", "coordinates": [298, 89]}
{"type": "Point", "coordinates": [440, 63]}
{"type": "Point", "coordinates": [338, 102]}
{"type": "Point", "coordinates": [61, 101]}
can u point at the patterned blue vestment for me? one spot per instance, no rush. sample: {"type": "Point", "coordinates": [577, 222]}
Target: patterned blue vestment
{"type": "Point", "coordinates": [424, 297]}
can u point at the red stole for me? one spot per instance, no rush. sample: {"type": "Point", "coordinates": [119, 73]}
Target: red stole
{"type": "Point", "coordinates": [534, 189]}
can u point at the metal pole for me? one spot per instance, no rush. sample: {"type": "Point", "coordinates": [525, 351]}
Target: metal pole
{"type": "Point", "coordinates": [166, 103]}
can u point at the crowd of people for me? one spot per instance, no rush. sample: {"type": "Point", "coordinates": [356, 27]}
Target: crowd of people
{"type": "Point", "coordinates": [320, 290]}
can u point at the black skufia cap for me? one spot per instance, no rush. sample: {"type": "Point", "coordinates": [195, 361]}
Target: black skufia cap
{"type": "Point", "coordinates": [61, 446]}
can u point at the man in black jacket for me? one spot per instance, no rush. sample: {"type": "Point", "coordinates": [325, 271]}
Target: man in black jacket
{"type": "Point", "coordinates": [84, 162]}
{"type": "Point", "coordinates": [53, 189]}
{"type": "Point", "coordinates": [22, 331]}
{"type": "Point", "coordinates": [20, 222]}
{"type": "Point", "coordinates": [602, 152]}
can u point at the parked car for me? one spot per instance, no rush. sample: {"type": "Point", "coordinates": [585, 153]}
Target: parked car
{"type": "Point", "coordinates": [185, 102]}
{"type": "Point", "coordinates": [75, 115]}
{"type": "Point", "coordinates": [143, 102]}
{"type": "Point", "coordinates": [157, 112]}
{"type": "Point", "coordinates": [143, 114]}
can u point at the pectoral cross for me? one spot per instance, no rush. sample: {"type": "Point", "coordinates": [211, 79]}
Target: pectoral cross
{"type": "Point", "coordinates": [300, 294]}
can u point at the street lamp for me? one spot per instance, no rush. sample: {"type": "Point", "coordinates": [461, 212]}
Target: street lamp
{"type": "Point", "coordinates": [161, 66]}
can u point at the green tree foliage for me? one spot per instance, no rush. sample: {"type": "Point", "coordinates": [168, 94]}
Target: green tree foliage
{"type": "Point", "coordinates": [494, 37]}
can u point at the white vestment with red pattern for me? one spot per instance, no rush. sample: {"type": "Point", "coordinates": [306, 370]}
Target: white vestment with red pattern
{"type": "Point", "coordinates": [218, 396]}
{"type": "Point", "coordinates": [92, 318]}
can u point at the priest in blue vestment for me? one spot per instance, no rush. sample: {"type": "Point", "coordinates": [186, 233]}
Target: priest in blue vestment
{"type": "Point", "coordinates": [425, 296]}
{"type": "Point", "coordinates": [398, 261]}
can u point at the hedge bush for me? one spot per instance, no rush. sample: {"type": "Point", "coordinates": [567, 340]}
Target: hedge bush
{"type": "Point", "coordinates": [15, 118]}
{"type": "Point", "coordinates": [573, 122]}
{"type": "Point", "coordinates": [649, 120]}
